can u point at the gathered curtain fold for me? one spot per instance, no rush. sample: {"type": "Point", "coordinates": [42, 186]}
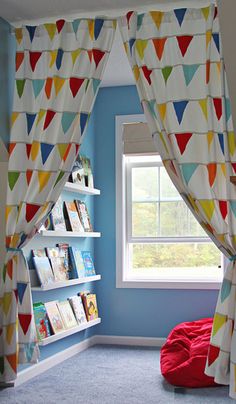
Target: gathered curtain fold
{"type": "Point", "coordinates": [177, 63]}
{"type": "Point", "coordinates": [59, 67]}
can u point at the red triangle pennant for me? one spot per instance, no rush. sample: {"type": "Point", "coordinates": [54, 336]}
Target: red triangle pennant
{"type": "Point", "coordinates": [19, 59]}
{"type": "Point", "coordinates": [48, 118]}
{"type": "Point", "coordinates": [60, 25]}
{"type": "Point", "coordinates": [218, 107]}
{"type": "Point", "coordinates": [212, 168]}
{"type": "Point", "coordinates": [90, 54]}
{"type": "Point", "coordinates": [77, 146]}
{"type": "Point", "coordinates": [223, 208]}
{"type": "Point", "coordinates": [25, 320]}
{"type": "Point", "coordinates": [75, 84]}
{"type": "Point", "coordinates": [10, 268]}
{"type": "Point", "coordinates": [97, 56]}
{"type": "Point", "coordinates": [48, 87]}
{"type": "Point", "coordinates": [29, 176]}
{"type": "Point", "coordinates": [159, 45]}
{"type": "Point", "coordinates": [11, 147]}
{"type": "Point", "coordinates": [216, 12]}
{"type": "Point", "coordinates": [16, 294]}
{"type": "Point", "coordinates": [213, 354]}
{"type": "Point", "coordinates": [12, 359]}
{"type": "Point", "coordinates": [28, 149]}
{"type": "Point", "coordinates": [182, 140]}
{"type": "Point", "coordinates": [234, 167]}
{"type": "Point", "coordinates": [31, 211]}
{"type": "Point", "coordinates": [128, 16]}
{"type": "Point", "coordinates": [34, 58]}
{"type": "Point", "coordinates": [208, 69]}
{"type": "Point", "coordinates": [147, 73]}
{"type": "Point", "coordinates": [184, 42]}
{"type": "Point", "coordinates": [67, 151]}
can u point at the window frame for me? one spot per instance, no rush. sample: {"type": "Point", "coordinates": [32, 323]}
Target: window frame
{"type": "Point", "coordinates": [122, 236]}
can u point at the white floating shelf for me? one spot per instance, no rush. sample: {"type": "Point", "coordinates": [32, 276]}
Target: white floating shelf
{"type": "Point", "coordinates": [71, 331]}
{"type": "Point", "coordinates": [71, 282]}
{"type": "Point", "coordinates": [71, 187]}
{"type": "Point", "coordinates": [55, 233]}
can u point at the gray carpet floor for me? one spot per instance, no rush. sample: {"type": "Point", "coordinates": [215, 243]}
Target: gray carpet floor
{"type": "Point", "coordinates": [109, 375]}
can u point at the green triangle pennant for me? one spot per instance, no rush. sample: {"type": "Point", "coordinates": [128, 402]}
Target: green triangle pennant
{"type": "Point", "coordinates": [12, 178]}
{"type": "Point", "coordinates": [61, 174]}
{"type": "Point", "coordinates": [20, 85]}
{"type": "Point", "coordinates": [166, 72]}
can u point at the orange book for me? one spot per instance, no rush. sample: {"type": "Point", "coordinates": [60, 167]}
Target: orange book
{"type": "Point", "coordinates": [72, 217]}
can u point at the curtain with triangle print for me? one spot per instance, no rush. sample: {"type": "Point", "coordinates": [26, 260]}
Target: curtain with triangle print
{"type": "Point", "coordinates": [58, 71]}
{"type": "Point", "coordinates": [177, 63]}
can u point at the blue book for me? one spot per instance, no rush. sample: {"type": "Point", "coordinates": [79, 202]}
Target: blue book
{"type": "Point", "coordinates": [88, 263]}
{"type": "Point", "coordinates": [77, 263]}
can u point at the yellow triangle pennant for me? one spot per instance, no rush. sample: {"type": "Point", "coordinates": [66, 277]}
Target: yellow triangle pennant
{"type": "Point", "coordinates": [41, 114]}
{"type": "Point", "coordinates": [219, 321]}
{"type": "Point", "coordinates": [16, 237]}
{"type": "Point", "coordinates": [53, 55]}
{"type": "Point", "coordinates": [9, 332]}
{"type": "Point", "coordinates": [163, 141]}
{"type": "Point", "coordinates": [141, 46]}
{"type": "Point", "coordinates": [15, 259]}
{"type": "Point", "coordinates": [34, 150]}
{"type": "Point", "coordinates": [221, 238]}
{"type": "Point", "coordinates": [231, 142]}
{"type": "Point", "coordinates": [223, 168]}
{"type": "Point", "coordinates": [208, 37]}
{"type": "Point", "coordinates": [91, 28]}
{"type": "Point", "coordinates": [14, 117]}
{"type": "Point", "coordinates": [6, 302]}
{"type": "Point", "coordinates": [208, 207]}
{"type": "Point", "coordinates": [136, 72]}
{"type": "Point", "coordinates": [8, 211]}
{"type": "Point", "coordinates": [58, 84]}
{"type": "Point", "coordinates": [18, 35]}
{"type": "Point", "coordinates": [74, 55]}
{"type": "Point", "coordinates": [157, 17]}
{"type": "Point", "coordinates": [210, 137]}
{"type": "Point", "coordinates": [51, 29]}
{"type": "Point", "coordinates": [218, 64]}
{"type": "Point", "coordinates": [203, 105]}
{"type": "Point", "coordinates": [205, 12]}
{"type": "Point", "coordinates": [126, 47]}
{"type": "Point", "coordinates": [162, 111]}
{"type": "Point", "coordinates": [43, 177]}
{"type": "Point", "coordinates": [62, 149]}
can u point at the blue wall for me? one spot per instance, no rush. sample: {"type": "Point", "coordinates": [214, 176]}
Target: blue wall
{"type": "Point", "coordinates": [137, 312]}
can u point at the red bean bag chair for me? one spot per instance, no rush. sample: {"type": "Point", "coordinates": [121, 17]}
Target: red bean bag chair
{"type": "Point", "coordinates": [183, 356]}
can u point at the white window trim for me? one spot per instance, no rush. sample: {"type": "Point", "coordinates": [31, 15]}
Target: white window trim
{"type": "Point", "coordinates": [121, 243]}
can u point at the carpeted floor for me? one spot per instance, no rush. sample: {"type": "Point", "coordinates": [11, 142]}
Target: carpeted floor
{"type": "Point", "coordinates": [109, 375]}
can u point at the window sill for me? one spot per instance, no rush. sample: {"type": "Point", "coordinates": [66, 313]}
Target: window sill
{"type": "Point", "coordinates": [169, 284]}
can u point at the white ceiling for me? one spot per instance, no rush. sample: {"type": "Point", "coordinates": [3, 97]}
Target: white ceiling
{"type": "Point", "coordinates": [118, 71]}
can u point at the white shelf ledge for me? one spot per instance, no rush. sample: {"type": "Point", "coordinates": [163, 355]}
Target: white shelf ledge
{"type": "Point", "coordinates": [55, 233]}
{"type": "Point", "coordinates": [71, 331]}
{"type": "Point", "coordinates": [71, 282]}
{"type": "Point", "coordinates": [76, 188]}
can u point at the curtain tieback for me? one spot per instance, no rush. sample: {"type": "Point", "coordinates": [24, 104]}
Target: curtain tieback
{"type": "Point", "coordinates": [11, 249]}
{"type": "Point", "coordinates": [233, 258]}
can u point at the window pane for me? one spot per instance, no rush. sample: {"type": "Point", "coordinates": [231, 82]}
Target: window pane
{"type": "Point", "coordinates": [167, 189]}
{"type": "Point", "coordinates": [146, 257]}
{"type": "Point", "coordinates": [144, 183]}
{"type": "Point", "coordinates": [144, 219]}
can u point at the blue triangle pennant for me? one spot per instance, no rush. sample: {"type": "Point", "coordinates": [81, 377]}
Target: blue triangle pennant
{"type": "Point", "coordinates": [75, 25]}
{"type": "Point", "coordinates": [60, 53]}
{"type": "Point", "coordinates": [189, 72]}
{"type": "Point", "coordinates": [140, 20]}
{"type": "Point", "coordinates": [96, 83]}
{"type": "Point", "coordinates": [21, 287]}
{"type": "Point", "coordinates": [233, 207]}
{"type": "Point", "coordinates": [67, 119]}
{"type": "Point", "coordinates": [83, 121]}
{"type": "Point", "coordinates": [221, 140]}
{"type": "Point", "coordinates": [225, 289]}
{"type": "Point", "coordinates": [180, 14]}
{"type": "Point", "coordinates": [151, 105]}
{"type": "Point", "coordinates": [131, 44]}
{"type": "Point", "coordinates": [37, 86]}
{"type": "Point", "coordinates": [31, 30]}
{"type": "Point", "coordinates": [227, 109]}
{"type": "Point", "coordinates": [188, 170]}
{"type": "Point", "coordinates": [180, 107]}
{"type": "Point", "coordinates": [216, 38]}
{"type": "Point", "coordinates": [45, 151]}
{"type": "Point", "coordinates": [97, 27]}
{"type": "Point", "coordinates": [30, 121]}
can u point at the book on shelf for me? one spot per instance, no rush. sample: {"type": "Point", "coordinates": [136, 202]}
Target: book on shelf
{"type": "Point", "coordinates": [67, 314]}
{"type": "Point", "coordinates": [59, 269]}
{"type": "Point", "coordinates": [72, 218]}
{"type": "Point", "coordinates": [48, 224]}
{"type": "Point", "coordinates": [41, 321]}
{"type": "Point", "coordinates": [39, 253]}
{"type": "Point", "coordinates": [64, 253]}
{"type": "Point", "coordinates": [83, 215]}
{"type": "Point", "coordinates": [90, 305]}
{"type": "Point", "coordinates": [52, 252]}
{"type": "Point", "coordinates": [57, 216]}
{"type": "Point", "coordinates": [88, 263]}
{"type": "Point", "coordinates": [54, 316]}
{"type": "Point", "coordinates": [77, 174]}
{"type": "Point", "coordinates": [77, 263]}
{"type": "Point", "coordinates": [43, 270]}
{"type": "Point", "coordinates": [88, 175]}
{"type": "Point", "coordinates": [78, 309]}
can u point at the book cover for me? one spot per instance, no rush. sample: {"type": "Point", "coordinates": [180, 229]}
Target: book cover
{"type": "Point", "coordinates": [59, 269]}
{"type": "Point", "coordinates": [64, 253]}
{"type": "Point", "coordinates": [44, 270]}
{"type": "Point", "coordinates": [84, 215]}
{"type": "Point", "coordinates": [77, 174]}
{"type": "Point", "coordinates": [78, 268]}
{"type": "Point", "coordinates": [67, 314]}
{"type": "Point", "coordinates": [88, 263]}
{"type": "Point", "coordinates": [54, 316]}
{"type": "Point", "coordinates": [73, 217]}
{"type": "Point", "coordinates": [53, 252]}
{"type": "Point", "coordinates": [78, 309]}
{"type": "Point", "coordinates": [48, 224]}
{"type": "Point", "coordinates": [57, 216]}
{"type": "Point", "coordinates": [39, 253]}
{"type": "Point", "coordinates": [41, 321]}
{"type": "Point", "coordinates": [88, 176]}
{"type": "Point", "coordinates": [90, 305]}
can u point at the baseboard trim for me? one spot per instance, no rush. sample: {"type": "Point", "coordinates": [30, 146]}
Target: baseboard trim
{"type": "Point", "coordinates": [130, 341]}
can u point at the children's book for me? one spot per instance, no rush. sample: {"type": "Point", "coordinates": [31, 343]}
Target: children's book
{"type": "Point", "coordinates": [74, 222]}
{"type": "Point", "coordinates": [64, 253]}
{"type": "Point", "coordinates": [39, 253]}
{"type": "Point", "coordinates": [44, 270]}
{"type": "Point", "coordinates": [83, 215]}
{"type": "Point", "coordinates": [77, 263]}
{"type": "Point", "coordinates": [88, 263]}
{"type": "Point", "coordinates": [48, 224]}
{"type": "Point", "coordinates": [41, 321]}
{"type": "Point", "coordinates": [77, 174]}
{"type": "Point", "coordinates": [53, 252]}
{"type": "Point", "coordinates": [67, 314]}
{"type": "Point", "coordinates": [57, 216]}
{"type": "Point", "coordinates": [54, 316]}
{"type": "Point", "coordinates": [59, 269]}
{"type": "Point", "coordinates": [90, 305]}
{"type": "Point", "coordinates": [78, 309]}
{"type": "Point", "coordinates": [88, 176]}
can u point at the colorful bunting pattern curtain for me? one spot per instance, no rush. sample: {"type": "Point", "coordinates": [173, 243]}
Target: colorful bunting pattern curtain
{"type": "Point", "coordinates": [177, 63]}
{"type": "Point", "coordinates": [58, 71]}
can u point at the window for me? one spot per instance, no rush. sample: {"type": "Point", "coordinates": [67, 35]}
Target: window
{"type": "Point", "coordinates": [160, 243]}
